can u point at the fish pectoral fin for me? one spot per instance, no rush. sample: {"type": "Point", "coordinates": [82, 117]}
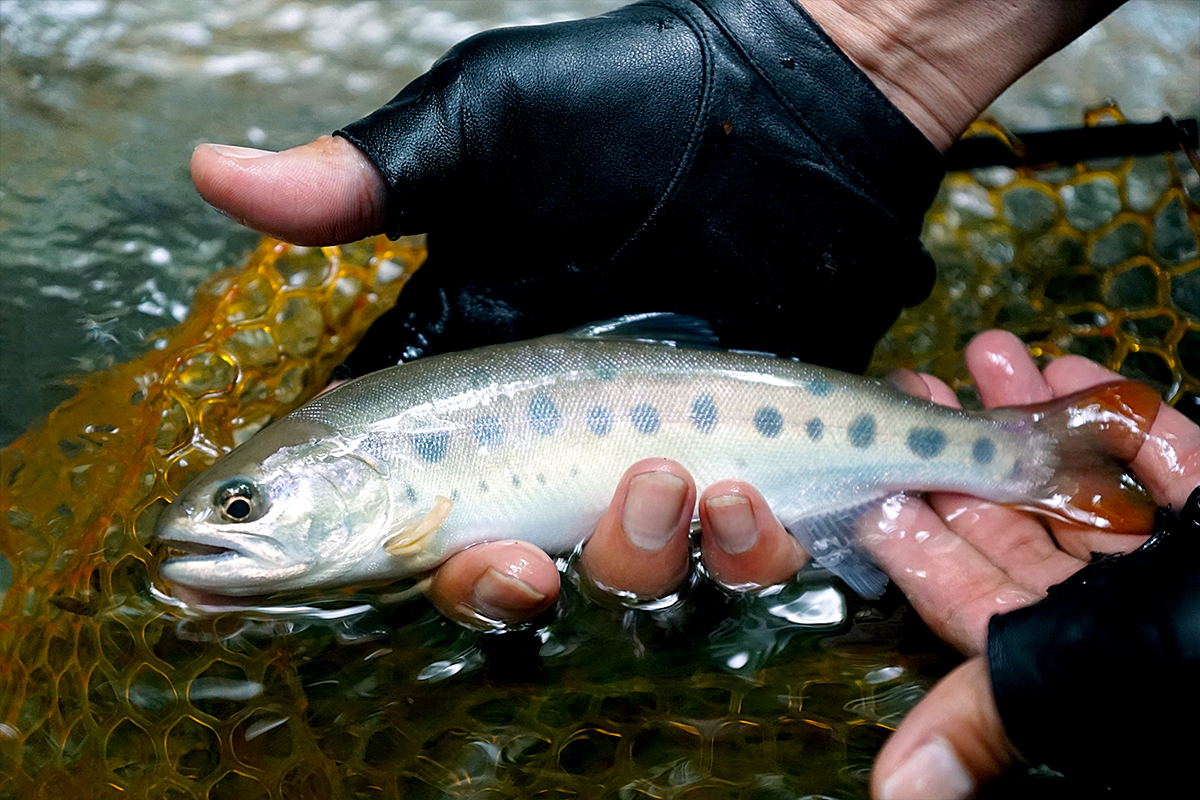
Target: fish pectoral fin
{"type": "Point", "coordinates": [832, 540]}
{"type": "Point", "coordinates": [409, 536]}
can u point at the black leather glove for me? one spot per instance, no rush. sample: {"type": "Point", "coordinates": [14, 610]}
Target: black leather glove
{"type": "Point", "coordinates": [714, 157]}
{"type": "Point", "coordinates": [1100, 678]}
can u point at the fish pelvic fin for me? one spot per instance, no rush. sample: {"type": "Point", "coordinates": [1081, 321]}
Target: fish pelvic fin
{"type": "Point", "coordinates": [409, 537]}
{"type": "Point", "coordinates": [1096, 433]}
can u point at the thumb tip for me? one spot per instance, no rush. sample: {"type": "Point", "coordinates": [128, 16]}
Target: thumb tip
{"type": "Point", "coordinates": [321, 193]}
{"type": "Point", "coordinates": [950, 744]}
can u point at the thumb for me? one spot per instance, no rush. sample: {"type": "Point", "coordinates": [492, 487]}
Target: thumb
{"type": "Point", "coordinates": [321, 193]}
{"type": "Point", "coordinates": [950, 744]}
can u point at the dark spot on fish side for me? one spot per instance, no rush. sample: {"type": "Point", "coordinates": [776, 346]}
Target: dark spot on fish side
{"type": "Point", "coordinates": [516, 481]}
{"type": "Point", "coordinates": [574, 471]}
{"type": "Point", "coordinates": [644, 418]}
{"type": "Point", "coordinates": [489, 431]}
{"type": "Point", "coordinates": [411, 493]}
{"type": "Point", "coordinates": [768, 421]}
{"type": "Point", "coordinates": [984, 450]}
{"type": "Point", "coordinates": [483, 486]}
{"type": "Point", "coordinates": [599, 421]}
{"type": "Point", "coordinates": [541, 479]}
{"type": "Point", "coordinates": [543, 414]}
{"type": "Point", "coordinates": [926, 442]}
{"type": "Point", "coordinates": [861, 432]}
{"type": "Point", "coordinates": [819, 387]}
{"type": "Point", "coordinates": [454, 496]}
{"type": "Point", "coordinates": [431, 446]}
{"type": "Point", "coordinates": [704, 413]}
{"type": "Point", "coordinates": [815, 429]}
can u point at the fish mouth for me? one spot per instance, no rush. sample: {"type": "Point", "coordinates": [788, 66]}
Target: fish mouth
{"type": "Point", "coordinates": [192, 551]}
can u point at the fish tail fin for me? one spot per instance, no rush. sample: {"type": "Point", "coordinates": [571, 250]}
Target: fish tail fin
{"type": "Point", "coordinates": [1096, 433]}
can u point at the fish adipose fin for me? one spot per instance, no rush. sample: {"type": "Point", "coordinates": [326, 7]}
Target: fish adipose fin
{"type": "Point", "coordinates": [1096, 433]}
{"type": "Point", "coordinates": [832, 541]}
{"type": "Point", "coordinates": [410, 536]}
{"type": "Point", "coordinates": [678, 330]}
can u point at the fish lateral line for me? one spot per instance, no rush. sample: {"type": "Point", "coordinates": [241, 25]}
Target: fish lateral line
{"type": "Point", "coordinates": [410, 536]}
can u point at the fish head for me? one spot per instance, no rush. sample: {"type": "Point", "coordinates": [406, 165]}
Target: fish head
{"type": "Point", "coordinates": [295, 507]}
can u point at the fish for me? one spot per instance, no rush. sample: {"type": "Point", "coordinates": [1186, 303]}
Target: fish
{"type": "Point", "coordinates": [388, 475]}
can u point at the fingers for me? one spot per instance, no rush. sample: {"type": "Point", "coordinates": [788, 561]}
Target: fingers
{"type": "Point", "coordinates": [321, 193]}
{"type": "Point", "coordinates": [951, 743]}
{"type": "Point", "coordinates": [1004, 373]}
{"type": "Point", "coordinates": [495, 585]}
{"type": "Point", "coordinates": [640, 546]}
{"type": "Point", "coordinates": [743, 544]}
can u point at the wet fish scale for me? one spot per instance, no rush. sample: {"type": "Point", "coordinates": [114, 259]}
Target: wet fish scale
{"type": "Point", "coordinates": [527, 440]}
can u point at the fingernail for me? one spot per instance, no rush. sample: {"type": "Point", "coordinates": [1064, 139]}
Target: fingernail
{"type": "Point", "coordinates": [499, 596]}
{"type": "Point", "coordinates": [234, 151]}
{"type": "Point", "coordinates": [652, 508]}
{"type": "Point", "coordinates": [732, 519]}
{"type": "Point", "coordinates": [932, 771]}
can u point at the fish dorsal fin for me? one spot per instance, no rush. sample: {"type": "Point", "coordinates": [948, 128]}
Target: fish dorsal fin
{"type": "Point", "coordinates": [662, 327]}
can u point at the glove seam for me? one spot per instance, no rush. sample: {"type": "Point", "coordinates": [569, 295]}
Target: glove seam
{"type": "Point", "coordinates": [781, 96]}
{"type": "Point", "coordinates": [689, 154]}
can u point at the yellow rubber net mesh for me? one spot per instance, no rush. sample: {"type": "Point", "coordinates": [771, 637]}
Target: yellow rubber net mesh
{"type": "Point", "coordinates": [104, 692]}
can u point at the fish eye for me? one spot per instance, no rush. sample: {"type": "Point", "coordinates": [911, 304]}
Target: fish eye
{"type": "Point", "coordinates": [238, 501]}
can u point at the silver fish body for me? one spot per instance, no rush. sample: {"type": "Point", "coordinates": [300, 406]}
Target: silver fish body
{"type": "Point", "coordinates": [528, 440]}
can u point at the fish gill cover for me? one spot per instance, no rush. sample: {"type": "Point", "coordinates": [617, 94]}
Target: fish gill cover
{"type": "Point", "coordinates": [109, 691]}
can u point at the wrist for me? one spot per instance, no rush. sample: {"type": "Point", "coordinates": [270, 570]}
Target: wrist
{"type": "Point", "coordinates": [942, 62]}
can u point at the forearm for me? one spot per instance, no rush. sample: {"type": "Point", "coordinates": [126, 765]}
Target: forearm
{"type": "Point", "coordinates": [941, 62]}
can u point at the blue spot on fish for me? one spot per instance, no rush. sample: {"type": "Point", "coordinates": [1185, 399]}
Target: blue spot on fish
{"type": "Point", "coordinates": [704, 413]}
{"type": "Point", "coordinates": [984, 450]}
{"type": "Point", "coordinates": [815, 429]}
{"type": "Point", "coordinates": [431, 446]}
{"type": "Point", "coordinates": [489, 431]}
{"type": "Point", "coordinates": [861, 432]}
{"type": "Point", "coordinates": [926, 442]}
{"type": "Point", "coordinates": [543, 414]}
{"type": "Point", "coordinates": [768, 421]}
{"type": "Point", "coordinates": [411, 493]}
{"type": "Point", "coordinates": [819, 387]}
{"type": "Point", "coordinates": [599, 421]}
{"type": "Point", "coordinates": [644, 418]}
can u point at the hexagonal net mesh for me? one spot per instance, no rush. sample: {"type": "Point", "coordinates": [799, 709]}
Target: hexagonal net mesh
{"type": "Point", "coordinates": [107, 691]}
{"type": "Point", "coordinates": [1096, 258]}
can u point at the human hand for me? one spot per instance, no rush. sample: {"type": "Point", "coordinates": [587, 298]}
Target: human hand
{"type": "Point", "coordinates": [977, 559]}
{"type": "Point", "coordinates": [582, 159]}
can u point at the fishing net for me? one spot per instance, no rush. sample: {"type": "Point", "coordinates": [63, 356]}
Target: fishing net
{"type": "Point", "coordinates": [108, 690]}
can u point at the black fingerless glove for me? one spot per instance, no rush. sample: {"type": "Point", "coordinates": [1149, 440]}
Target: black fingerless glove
{"type": "Point", "coordinates": [1100, 679]}
{"type": "Point", "coordinates": [713, 157]}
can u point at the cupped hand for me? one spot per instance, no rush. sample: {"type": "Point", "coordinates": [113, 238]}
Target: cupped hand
{"type": "Point", "coordinates": [961, 560]}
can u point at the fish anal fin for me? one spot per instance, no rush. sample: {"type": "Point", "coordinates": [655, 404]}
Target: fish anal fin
{"type": "Point", "coordinates": [831, 538]}
{"type": "Point", "coordinates": [410, 536]}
